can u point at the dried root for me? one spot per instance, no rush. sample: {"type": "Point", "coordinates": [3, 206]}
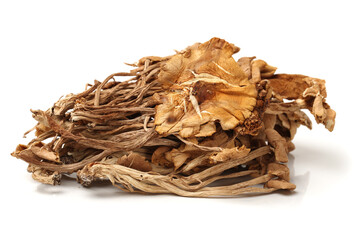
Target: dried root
{"type": "Point", "coordinates": [180, 124]}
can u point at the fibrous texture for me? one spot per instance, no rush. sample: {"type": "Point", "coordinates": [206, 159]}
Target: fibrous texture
{"type": "Point", "coordinates": [180, 124]}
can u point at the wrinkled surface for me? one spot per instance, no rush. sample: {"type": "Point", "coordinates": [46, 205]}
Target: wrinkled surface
{"type": "Point", "coordinates": [180, 124]}
{"type": "Point", "coordinates": [204, 84]}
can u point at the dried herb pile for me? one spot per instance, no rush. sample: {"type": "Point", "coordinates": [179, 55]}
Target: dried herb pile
{"type": "Point", "coordinates": [180, 124]}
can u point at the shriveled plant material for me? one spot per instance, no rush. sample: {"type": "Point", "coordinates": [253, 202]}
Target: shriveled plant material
{"type": "Point", "coordinates": [180, 124]}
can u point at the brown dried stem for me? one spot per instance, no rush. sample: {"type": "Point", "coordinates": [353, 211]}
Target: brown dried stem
{"type": "Point", "coordinates": [181, 124]}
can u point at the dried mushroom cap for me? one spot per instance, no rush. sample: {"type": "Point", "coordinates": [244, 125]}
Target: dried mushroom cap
{"type": "Point", "coordinates": [260, 69]}
{"type": "Point", "coordinates": [245, 64]}
{"type": "Point", "coordinates": [135, 161]}
{"type": "Point", "coordinates": [229, 154]}
{"type": "Point", "coordinates": [213, 57]}
{"type": "Point", "coordinates": [308, 92]}
{"type": "Point", "coordinates": [158, 157]}
{"type": "Point", "coordinates": [289, 86]}
{"type": "Point", "coordinates": [280, 170]}
{"type": "Point", "coordinates": [280, 184]}
{"type": "Point", "coordinates": [204, 84]}
{"type": "Point", "coordinates": [44, 176]}
{"type": "Point", "coordinates": [40, 150]}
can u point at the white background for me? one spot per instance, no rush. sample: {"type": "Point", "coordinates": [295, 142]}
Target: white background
{"type": "Point", "coordinates": [52, 48]}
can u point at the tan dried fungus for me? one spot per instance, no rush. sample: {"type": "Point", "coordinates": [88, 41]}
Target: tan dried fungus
{"type": "Point", "coordinates": [180, 124]}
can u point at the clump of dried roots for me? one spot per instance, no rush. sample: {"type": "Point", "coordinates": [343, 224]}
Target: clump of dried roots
{"type": "Point", "coordinates": [180, 124]}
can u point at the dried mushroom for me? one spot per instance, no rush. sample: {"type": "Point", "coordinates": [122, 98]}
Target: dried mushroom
{"type": "Point", "coordinates": [204, 84]}
{"type": "Point", "coordinates": [179, 124]}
